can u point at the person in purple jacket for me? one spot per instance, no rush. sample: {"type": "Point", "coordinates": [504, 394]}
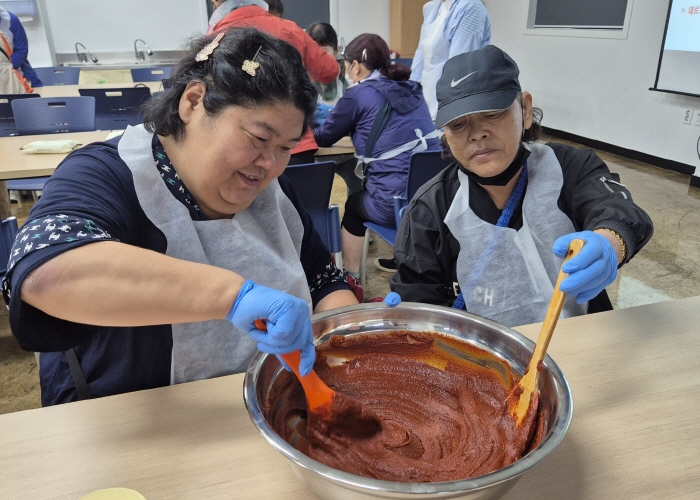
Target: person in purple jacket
{"type": "Point", "coordinates": [373, 80]}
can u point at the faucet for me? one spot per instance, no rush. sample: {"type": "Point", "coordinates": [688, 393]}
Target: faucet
{"type": "Point", "coordinates": [83, 57]}
{"type": "Point", "coordinates": [139, 53]}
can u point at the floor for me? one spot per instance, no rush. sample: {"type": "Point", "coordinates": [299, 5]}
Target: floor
{"type": "Point", "coordinates": [667, 268]}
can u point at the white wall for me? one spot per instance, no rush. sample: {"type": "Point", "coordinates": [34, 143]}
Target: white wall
{"type": "Point", "coordinates": [349, 17]}
{"type": "Point", "coordinates": [113, 25]}
{"type": "Point", "coordinates": [598, 88]}
{"type": "Point", "coordinates": [354, 17]}
{"type": "Point", "coordinates": [39, 53]}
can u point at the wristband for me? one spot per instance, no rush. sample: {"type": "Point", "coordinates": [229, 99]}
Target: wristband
{"type": "Point", "coordinates": [622, 242]}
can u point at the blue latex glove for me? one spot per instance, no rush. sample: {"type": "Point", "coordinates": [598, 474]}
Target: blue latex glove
{"type": "Point", "coordinates": [288, 322]}
{"type": "Point", "coordinates": [594, 268]}
{"type": "Point", "coordinates": [393, 299]}
{"type": "Point", "coordinates": [320, 114]}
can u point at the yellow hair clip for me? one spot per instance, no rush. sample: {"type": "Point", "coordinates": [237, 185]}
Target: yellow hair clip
{"type": "Point", "coordinates": [204, 54]}
{"type": "Point", "coordinates": [250, 66]}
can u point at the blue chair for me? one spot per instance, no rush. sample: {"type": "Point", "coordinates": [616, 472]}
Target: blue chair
{"type": "Point", "coordinates": [8, 232]}
{"type": "Point", "coordinates": [54, 115]}
{"type": "Point", "coordinates": [421, 168]}
{"type": "Point", "coordinates": [58, 75]}
{"type": "Point", "coordinates": [155, 74]}
{"type": "Point", "coordinates": [7, 118]}
{"type": "Point", "coordinates": [403, 60]}
{"type": "Point", "coordinates": [117, 108]}
{"type": "Point", "coordinates": [313, 183]}
{"type": "Point", "coordinates": [49, 116]}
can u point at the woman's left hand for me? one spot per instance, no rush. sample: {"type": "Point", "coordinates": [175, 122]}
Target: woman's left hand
{"type": "Point", "coordinates": [593, 269]}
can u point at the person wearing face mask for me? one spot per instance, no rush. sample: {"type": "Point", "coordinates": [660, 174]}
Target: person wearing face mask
{"type": "Point", "coordinates": [378, 92]}
{"type": "Point", "coordinates": [450, 27]}
{"type": "Point", "coordinates": [489, 233]}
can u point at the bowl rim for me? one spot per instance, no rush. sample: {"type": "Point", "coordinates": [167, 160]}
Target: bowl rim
{"type": "Point", "coordinates": [351, 481]}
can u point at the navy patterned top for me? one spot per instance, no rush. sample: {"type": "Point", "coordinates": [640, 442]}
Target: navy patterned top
{"type": "Point", "coordinates": [91, 197]}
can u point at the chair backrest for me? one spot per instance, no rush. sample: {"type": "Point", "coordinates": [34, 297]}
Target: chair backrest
{"type": "Point", "coordinates": [155, 74]}
{"type": "Point", "coordinates": [117, 108]}
{"type": "Point", "coordinates": [58, 75]}
{"type": "Point", "coordinates": [313, 183]}
{"type": "Point", "coordinates": [7, 117]}
{"type": "Point", "coordinates": [8, 232]}
{"type": "Point", "coordinates": [403, 60]}
{"type": "Point", "coordinates": [421, 168]}
{"type": "Point", "coordinates": [54, 115]}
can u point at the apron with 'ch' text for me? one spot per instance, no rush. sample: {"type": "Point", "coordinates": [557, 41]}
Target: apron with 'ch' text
{"type": "Point", "coordinates": [435, 52]}
{"type": "Point", "coordinates": [516, 279]}
{"type": "Point", "coordinates": [261, 243]}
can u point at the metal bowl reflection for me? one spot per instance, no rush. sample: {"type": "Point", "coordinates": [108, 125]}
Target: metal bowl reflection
{"type": "Point", "coordinates": [327, 483]}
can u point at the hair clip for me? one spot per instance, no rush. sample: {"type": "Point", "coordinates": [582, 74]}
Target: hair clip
{"type": "Point", "coordinates": [364, 55]}
{"type": "Point", "coordinates": [207, 50]}
{"type": "Point", "coordinates": [250, 66]}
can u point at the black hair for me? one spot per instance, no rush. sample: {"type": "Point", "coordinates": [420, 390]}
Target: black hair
{"type": "Point", "coordinates": [323, 34]}
{"type": "Point", "coordinates": [529, 135]}
{"type": "Point", "coordinates": [280, 78]}
{"type": "Point", "coordinates": [372, 51]}
{"type": "Point", "coordinates": [533, 133]}
{"type": "Point", "coordinates": [276, 6]}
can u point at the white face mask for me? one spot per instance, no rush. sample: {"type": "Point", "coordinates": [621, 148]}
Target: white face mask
{"type": "Point", "coordinates": [351, 82]}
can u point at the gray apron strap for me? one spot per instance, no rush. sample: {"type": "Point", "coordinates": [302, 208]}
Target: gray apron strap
{"type": "Point", "coordinates": [78, 377]}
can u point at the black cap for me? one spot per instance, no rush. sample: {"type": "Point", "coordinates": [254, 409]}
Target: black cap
{"type": "Point", "coordinates": [474, 82]}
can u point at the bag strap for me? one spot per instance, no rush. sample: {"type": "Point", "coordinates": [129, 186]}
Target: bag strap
{"type": "Point", "coordinates": [377, 126]}
{"type": "Point", "coordinates": [76, 372]}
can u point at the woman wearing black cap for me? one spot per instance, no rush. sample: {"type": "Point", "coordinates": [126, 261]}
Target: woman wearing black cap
{"type": "Point", "coordinates": [489, 232]}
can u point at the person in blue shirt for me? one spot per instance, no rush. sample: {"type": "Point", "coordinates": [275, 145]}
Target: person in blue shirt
{"type": "Point", "coordinates": [16, 38]}
{"type": "Point", "coordinates": [450, 27]}
{"type": "Point", "coordinates": [149, 257]}
{"type": "Point", "coordinates": [374, 81]}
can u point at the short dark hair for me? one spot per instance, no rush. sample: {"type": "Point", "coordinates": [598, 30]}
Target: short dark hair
{"type": "Point", "coordinates": [323, 34]}
{"type": "Point", "coordinates": [276, 6]}
{"type": "Point", "coordinates": [530, 135]}
{"type": "Point", "coordinates": [372, 51]}
{"type": "Point", "coordinates": [280, 78]}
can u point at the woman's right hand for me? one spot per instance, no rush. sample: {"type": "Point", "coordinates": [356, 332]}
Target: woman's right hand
{"type": "Point", "coordinates": [288, 322]}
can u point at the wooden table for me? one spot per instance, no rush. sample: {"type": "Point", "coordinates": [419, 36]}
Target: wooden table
{"type": "Point", "coordinates": [15, 164]}
{"type": "Point", "coordinates": [72, 90]}
{"type": "Point", "coordinates": [338, 152]}
{"type": "Point", "coordinates": [635, 432]}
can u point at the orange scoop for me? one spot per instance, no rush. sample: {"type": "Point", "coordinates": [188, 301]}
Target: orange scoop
{"type": "Point", "coordinates": [329, 410]}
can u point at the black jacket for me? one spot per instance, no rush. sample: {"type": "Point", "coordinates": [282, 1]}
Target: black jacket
{"type": "Point", "coordinates": [426, 252]}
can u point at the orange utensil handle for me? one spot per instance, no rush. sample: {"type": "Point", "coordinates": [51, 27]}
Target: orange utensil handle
{"type": "Point", "coordinates": [317, 392]}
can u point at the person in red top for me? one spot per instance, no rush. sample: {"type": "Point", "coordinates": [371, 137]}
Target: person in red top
{"type": "Point", "coordinates": [321, 67]}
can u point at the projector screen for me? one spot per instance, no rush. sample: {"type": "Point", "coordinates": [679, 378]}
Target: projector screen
{"type": "Point", "coordinates": [679, 62]}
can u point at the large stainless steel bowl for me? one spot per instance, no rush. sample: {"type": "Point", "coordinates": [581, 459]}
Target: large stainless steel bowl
{"type": "Point", "coordinates": [331, 484]}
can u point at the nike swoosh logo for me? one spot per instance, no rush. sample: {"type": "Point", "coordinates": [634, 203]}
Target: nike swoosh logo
{"type": "Point", "coordinates": [457, 82]}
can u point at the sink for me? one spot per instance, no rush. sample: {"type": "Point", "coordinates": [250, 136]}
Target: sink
{"type": "Point", "coordinates": [120, 65]}
{"type": "Point", "coordinates": [121, 60]}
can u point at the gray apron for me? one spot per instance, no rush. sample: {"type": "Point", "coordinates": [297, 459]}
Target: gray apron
{"type": "Point", "coordinates": [262, 243]}
{"type": "Point", "coordinates": [517, 277]}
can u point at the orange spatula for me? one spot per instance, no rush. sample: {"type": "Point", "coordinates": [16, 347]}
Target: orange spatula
{"type": "Point", "coordinates": [338, 412]}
